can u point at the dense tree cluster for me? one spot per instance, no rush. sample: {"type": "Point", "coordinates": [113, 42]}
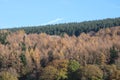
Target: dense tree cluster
{"type": "Point", "coordinates": [3, 35]}
{"type": "Point", "coordinates": [72, 28]}
{"type": "Point", "coordinates": [89, 56]}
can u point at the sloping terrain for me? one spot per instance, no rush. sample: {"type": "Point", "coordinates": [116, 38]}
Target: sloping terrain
{"type": "Point", "coordinates": [52, 57]}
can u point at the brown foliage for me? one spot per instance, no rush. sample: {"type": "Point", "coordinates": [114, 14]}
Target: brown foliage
{"type": "Point", "coordinates": [39, 48]}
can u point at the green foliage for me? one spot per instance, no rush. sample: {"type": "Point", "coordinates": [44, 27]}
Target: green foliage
{"type": "Point", "coordinates": [23, 46]}
{"type": "Point", "coordinates": [73, 66]}
{"type": "Point", "coordinates": [3, 36]}
{"type": "Point", "coordinates": [23, 59]}
{"type": "Point", "coordinates": [7, 76]}
{"type": "Point", "coordinates": [113, 55]}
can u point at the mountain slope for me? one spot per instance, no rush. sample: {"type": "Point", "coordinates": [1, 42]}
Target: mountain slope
{"type": "Point", "coordinates": [72, 28]}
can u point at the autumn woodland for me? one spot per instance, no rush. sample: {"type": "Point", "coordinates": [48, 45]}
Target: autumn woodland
{"type": "Point", "coordinates": [91, 55]}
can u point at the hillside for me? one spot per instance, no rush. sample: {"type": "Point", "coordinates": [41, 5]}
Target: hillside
{"type": "Point", "coordinates": [89, 56]}
{"type": "Point", "coordinates": [72, 28]}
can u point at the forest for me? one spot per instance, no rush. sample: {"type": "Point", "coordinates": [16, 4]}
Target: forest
{"type": "Point", "coordinates": [71, 29]}
{"type": "Point", "coordinates": [90, 52]}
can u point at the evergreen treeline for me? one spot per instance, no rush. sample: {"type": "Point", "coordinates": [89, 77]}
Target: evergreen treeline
{"type": "Point", "coordinates": [72, 28]}
{"type": "Point", "coordinates": [89, 56]}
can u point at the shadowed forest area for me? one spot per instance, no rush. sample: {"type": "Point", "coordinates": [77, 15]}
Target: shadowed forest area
{"type": "Point", "coordinates": [64, 55]}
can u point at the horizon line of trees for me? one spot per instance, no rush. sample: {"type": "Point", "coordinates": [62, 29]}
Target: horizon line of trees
{"type": "Point", "coordinates": [75, 28]}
